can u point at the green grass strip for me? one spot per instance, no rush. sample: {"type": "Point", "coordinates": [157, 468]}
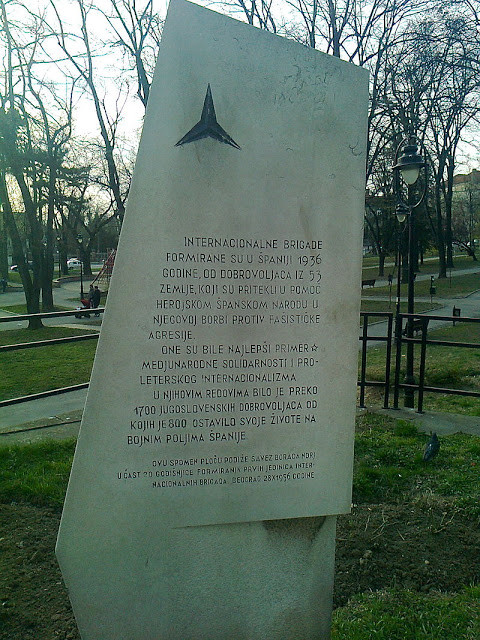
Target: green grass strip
{"type": "Point", "coordinates": [429, 267]}
{"type": "Point", "coordinates": [36, 473]}
{"type": "Point", "coordinates": [388, 465]}
{"type": "Point", "coordinates": [43, 368]}
{"type": "Point", "coordinates": [446, 367]}
{"type": "Point", "coordinates": [454, 287]}
{"type": "Point", "coordinates": [384, 306]}
{"type": "Point", "coordinates": [22, 308]}
{"type": "Point", "coordinates": [407, 615]}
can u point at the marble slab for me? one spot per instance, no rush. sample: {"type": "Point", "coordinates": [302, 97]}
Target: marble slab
{"type": "Point", "coordinates": [224, 385]}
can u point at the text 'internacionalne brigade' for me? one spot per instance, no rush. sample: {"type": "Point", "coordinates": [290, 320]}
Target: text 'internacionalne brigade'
{"type": "Point", "coordinates": [201, 385]}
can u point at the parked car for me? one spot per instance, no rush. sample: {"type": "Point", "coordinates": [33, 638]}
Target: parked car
{"type": "Point", "coordinates": [74, 263]}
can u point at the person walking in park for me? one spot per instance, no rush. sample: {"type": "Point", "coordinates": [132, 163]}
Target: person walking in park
{"type": "Point", "coordinates": [91, 293]}
{"type": "Point", "coordinates": [96, 299]}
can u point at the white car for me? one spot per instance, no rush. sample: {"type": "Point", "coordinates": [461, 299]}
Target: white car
{"type": "Point", "coordinates": [74, 263]}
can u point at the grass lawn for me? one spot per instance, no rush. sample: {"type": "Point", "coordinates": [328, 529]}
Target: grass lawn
{"type": "Point", "coordinates": [388, 468]}
{"type": "Point", "coordinates": [36, 474]}
{"type": "Point", "coordinates": [447, 367]}
{"type": "Point", "coordinates": [398, 614]}
{"type": "Point", "coordinates": [457, 286]}
{"type": "Point", "coordinates": [39, 369]}
{"type": "Point", "coordinates": [385, 306]}
{"type": "Point", "coordinates": [14, 276]}
{"type": "Point", "coordinates": [388, 465]}
{"type": "Point", "coordinates": [22, 308]}
{"type": "Point", "coordinates": [44, 368]}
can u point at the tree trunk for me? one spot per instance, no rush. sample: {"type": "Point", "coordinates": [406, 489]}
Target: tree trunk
{"type": "Point", "coordinates": [48, 265]}
{"type": "Point", "coordinates": [333, 25]}
{"type": "Point", "coordinates": [381, 263]}
{"type": "Point", "coordinates": [3, 248]}
{"type": "Point", "coordinates": [471, 254]}
{"type": "Point", "coordinates": [46, 280]}
{"type": "Point", "coordinates": [86, 258]}
{"type": "Point", "coordinates": [448, 196]}
{"type": "Point", "coordinates": [31, 285]}
{"type": "Point", "coordinates": [440, 241]}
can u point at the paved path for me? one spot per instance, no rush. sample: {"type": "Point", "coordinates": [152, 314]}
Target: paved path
{"type": "Point", "coordinates": [469, 306]}
{"type": "Point", "coordinates": [59, 417]}
{"type": "Point", "coordinates": [65, 407]}
{"type": "Point", "coordinates": [383, 282]}
{"type": "Point", "coordinates": [16, 415]}
{"type": "Point", "coordinates": [67, 295]}
{"type": "Point", "coordinates": [441, 423]}
{"type": "Point", "coordinates": [391, 266]}
{"type": "Point", "coordinates": [28, 419]}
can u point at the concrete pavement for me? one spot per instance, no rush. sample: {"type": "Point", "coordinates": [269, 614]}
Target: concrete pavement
{"type": "Point", "coordinates": [32, 420]}
{"type": "Point", "coordinates": [67, 295]}
{"type": "Point", "coordinates": [469, 306]}
{"type": "Point", "coordinates": [52, 407]}
{"type": "Point", "coordinates": [441, 423]}
{"type": "Point", "coordinates": [28, 419]}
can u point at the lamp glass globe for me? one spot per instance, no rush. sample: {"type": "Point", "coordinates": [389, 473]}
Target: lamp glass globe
{"type": "Point", "coordinates": [410, 174]}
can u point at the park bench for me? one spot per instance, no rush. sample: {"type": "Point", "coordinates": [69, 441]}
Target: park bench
{"type": "Point", "coordinates": [417, 325]}
{"type": "Point", "coordinates": [368, 283]}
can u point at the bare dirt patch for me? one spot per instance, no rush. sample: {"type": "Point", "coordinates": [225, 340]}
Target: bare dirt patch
{"type": "Point", "coordinates": [423, 547]}
{"type": "Point", "coordinates": [420, 547]}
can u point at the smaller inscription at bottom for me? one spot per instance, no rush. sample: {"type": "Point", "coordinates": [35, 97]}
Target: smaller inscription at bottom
{"type": "Point", "coordinates": [223, 470]}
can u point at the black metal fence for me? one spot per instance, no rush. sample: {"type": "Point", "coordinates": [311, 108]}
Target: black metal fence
{"type": "Point", "coordinates": [397, 337]}
{"type": "Point", "coordinates": [423, 342]}
{"type": "Point", "coordinates": [42, 343]}
{"type": "Point", "coordinates": [392, 337]}
{"type": "Point", "coordinates": [366, 339]}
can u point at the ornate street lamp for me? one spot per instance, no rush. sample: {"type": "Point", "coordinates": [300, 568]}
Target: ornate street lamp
{"type": "Point", "coordinates": [401, 213]}
{"type": "Point", "coordinates": [410, 163]}
{"type": "Point", "coordinates": [407, 167]}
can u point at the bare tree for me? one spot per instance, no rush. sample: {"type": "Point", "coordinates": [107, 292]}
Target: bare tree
{"type": "Point", "coordinates": [32, 145]}
{"type": "Point", "coordinates": [432, 88]}
{"type": "Point", "coordinates": [466, 213]}
{"type": "Point", "coordinates": [83, 62]}
{"type": "Point", "coordinates": [380, 208]}
{"type": "Point", "coordinates": [258, 13]}
{"type": "Point", "coordinates": [137, 32]}
{"type": "Point", "coordinates": [325, 22]}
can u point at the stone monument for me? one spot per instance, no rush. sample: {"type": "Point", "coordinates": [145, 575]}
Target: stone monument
{"type": "Point", "coordinates": [216, 446]}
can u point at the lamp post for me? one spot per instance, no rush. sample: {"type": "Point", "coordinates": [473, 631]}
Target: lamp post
{"type": "Point", "coordinates": [80, 242]}
{"type": "Point", "coordinates": [407, 167]}
{"type": "Point", "coordinates": [401, 212]}
{"type": "Point", "coordinates": [59, 240]}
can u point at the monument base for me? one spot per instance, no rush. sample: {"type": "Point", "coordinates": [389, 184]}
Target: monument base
{"type": "Point", "coordinates": [269, 580]}
{"type": "Point", "coordinates": [221, 408]}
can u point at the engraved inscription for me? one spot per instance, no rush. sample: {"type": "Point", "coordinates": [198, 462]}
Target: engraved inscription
{"type": "Point", "coordinates": [207, 385]}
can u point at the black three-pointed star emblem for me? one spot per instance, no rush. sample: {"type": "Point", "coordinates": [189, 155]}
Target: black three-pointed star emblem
{"type": "Point", "coordinates": [207, 126]}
